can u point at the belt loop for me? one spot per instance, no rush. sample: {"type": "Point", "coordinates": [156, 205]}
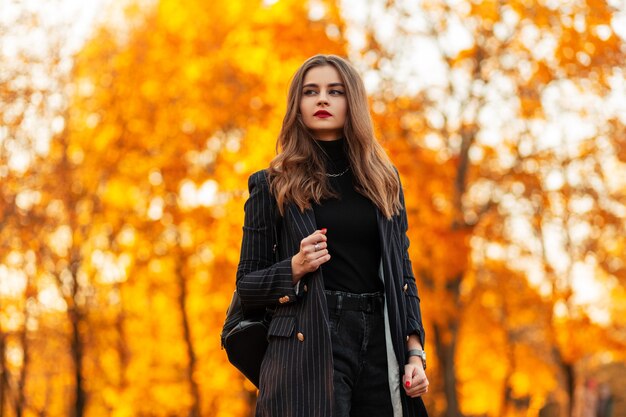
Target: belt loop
{"type": "Point", "coordinates": [339, 303]}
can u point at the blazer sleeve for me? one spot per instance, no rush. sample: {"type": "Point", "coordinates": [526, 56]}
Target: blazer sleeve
{"type": "Point", "coordinates": [261, 281]}
{"type": "Point", "coordinates": [414, 314]}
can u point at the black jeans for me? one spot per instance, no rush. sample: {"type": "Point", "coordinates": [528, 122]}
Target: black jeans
{"type": "Point", "coordinates": [357, 328]}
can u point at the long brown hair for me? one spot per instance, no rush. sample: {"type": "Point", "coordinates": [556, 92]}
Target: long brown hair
{"type": "Point", "coordinates": [297, 173]}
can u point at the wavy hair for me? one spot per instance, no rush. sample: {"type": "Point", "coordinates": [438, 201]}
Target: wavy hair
{"type": "Point", "coordinates": [297, 173]}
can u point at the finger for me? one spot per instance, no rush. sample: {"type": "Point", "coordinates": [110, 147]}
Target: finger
{"type": "Point", "coordinates": [318, 247]}
{"type": "Point", "coordinates": [420, 389]}
{"type": "Point", "coordinates": [321, 245]}
{"type": "Point", "coordinates": [318, 257]}
{"type": "Point", "coordinates": [419, 383]}
{"type": "Point", "coordinates": [308, 245]}
{"type": "Point", "coordinates": [418, 374]}
{"type": "Point", "coordinates": [417, 393]}
{"type": "Point", "coordinates": [313, 238]}
{"type": "Point", "coordinates": [407, 379]}
{"type": "Point", "coordinates": [417, 389]}
{"type": "Point", "coordinates": [414, 381]}
{"type": "Point", "coordinates": [317, 236]}
{"type": "Point", "coordinates": [319, 261]}
{"type": "Point", "coordinates": [314, 255]}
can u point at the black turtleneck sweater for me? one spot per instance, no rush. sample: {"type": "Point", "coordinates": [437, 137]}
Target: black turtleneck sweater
{"type": "Point", "coordinates": [352, 229]}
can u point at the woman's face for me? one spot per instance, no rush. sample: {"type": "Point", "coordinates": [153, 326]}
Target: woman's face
{"type": "Point", "coordinates": [323, 105]}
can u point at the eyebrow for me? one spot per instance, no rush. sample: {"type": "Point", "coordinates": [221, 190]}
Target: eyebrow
{"type": "Point", "coordinates": [330, 85]}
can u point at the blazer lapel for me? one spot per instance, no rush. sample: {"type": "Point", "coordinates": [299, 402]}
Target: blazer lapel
{"type": "Point", "coordinates": [385, 230]}
{"type": "Point", "coordinates": [302, 223]}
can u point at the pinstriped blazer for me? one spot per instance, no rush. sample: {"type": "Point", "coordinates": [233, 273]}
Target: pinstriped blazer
{"type": "Point", "coordinates": [297, 371]}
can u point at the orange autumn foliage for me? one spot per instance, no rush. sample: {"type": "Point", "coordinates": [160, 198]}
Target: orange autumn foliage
{"type": "Point", "coordinates": [120, 241]}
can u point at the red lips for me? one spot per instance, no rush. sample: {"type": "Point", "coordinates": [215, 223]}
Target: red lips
{"type": "Point", "coordinates": [322, 114]}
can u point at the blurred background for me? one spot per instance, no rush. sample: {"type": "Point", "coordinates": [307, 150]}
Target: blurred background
{"type": "Point", "coordinates": [128, 130]}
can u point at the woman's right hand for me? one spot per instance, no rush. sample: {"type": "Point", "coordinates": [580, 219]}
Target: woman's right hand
{"type": "Point", "coordinates": [313, 253]}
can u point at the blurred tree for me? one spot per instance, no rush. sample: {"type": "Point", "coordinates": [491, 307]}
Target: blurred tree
{"type": "Point", "coordinates": [503, 110]}
{"type": "Point", "coordinates": [123, 232]}
{"type": "Point", "coordinates": [168, 121]}
{"type": "Point", "coordinates": [31, 106]}
{"type": "Point", "coordinates": [132, 213]}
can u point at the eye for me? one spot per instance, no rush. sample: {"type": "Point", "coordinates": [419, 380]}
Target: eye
{"type": "Point", "coordinates": [336, 92]}
{"type": "Point", "coordinates": [308, 92]}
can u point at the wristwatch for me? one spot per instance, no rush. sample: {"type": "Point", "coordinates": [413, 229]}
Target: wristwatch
{"type": "Point", "coordinates": [420, 353]}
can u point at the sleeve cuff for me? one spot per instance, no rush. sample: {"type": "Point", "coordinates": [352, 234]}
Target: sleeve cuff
{"type": "Point", "coordinates": [420, 335]}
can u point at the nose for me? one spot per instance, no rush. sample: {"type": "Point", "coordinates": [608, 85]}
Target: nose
{"type": "Point", "coordinates": [322, 98]}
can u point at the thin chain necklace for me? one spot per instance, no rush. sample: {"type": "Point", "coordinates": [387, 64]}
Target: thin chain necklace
{"type": "Point", "coordinates": [331, 161]}
{"type": "Point", "coordinates": [337, 175]}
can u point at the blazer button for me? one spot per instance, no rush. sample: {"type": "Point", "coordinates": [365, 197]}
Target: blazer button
{"type": "Point", "coordinates": [284, 299]}
{"type": "Point", "coordinates": [306, 289]}
{"type": "Point", "coordinates": [407, 338]}
{"type": "Point", "coordinates": [300, 337]}
{"type": "Point", "coordinates": [406, 287]}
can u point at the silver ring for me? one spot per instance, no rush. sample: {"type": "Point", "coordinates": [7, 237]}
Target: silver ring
{"type": "Point", "coordinates": [317, 247]}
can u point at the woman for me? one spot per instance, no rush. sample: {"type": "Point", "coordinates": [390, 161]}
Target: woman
{"type": "Point", "coordinates": [346, 337]}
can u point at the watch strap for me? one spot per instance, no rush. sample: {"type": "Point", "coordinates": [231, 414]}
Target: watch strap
{"type": "Point", "coordinates": [420, 353]}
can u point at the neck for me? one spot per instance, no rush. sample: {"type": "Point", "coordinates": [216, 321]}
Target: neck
{"type": "Point", "coordinates": [329, 136]}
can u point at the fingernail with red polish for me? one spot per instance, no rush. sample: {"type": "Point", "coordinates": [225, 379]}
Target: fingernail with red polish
{"type": "Point", "coordinates": [324, 230]}
{"type": "Point", "coordinates": [408, 384]}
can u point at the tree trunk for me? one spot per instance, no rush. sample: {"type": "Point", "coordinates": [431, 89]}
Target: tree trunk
{"type": "Point", "coordinates": [511, 363]}
{"type": "Point", "coordinates": [4, 376]}
{"type": "Point", "coordinates": [569, 377]}
{"type": "Point", "coordinates": [505, 405]}
{"type": "Point", "coordinates": [567, 382]}
{"type": "Point", "coordinates": [21, 382]}
{"type": "Point", "coordinates": [446, 355]}
{"type": "Point", "coordinates": [182, 304]}
{"type": "Point", "coordinates": [122, 349]}
{"type": "Point", "coordinates": [80, 396]}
